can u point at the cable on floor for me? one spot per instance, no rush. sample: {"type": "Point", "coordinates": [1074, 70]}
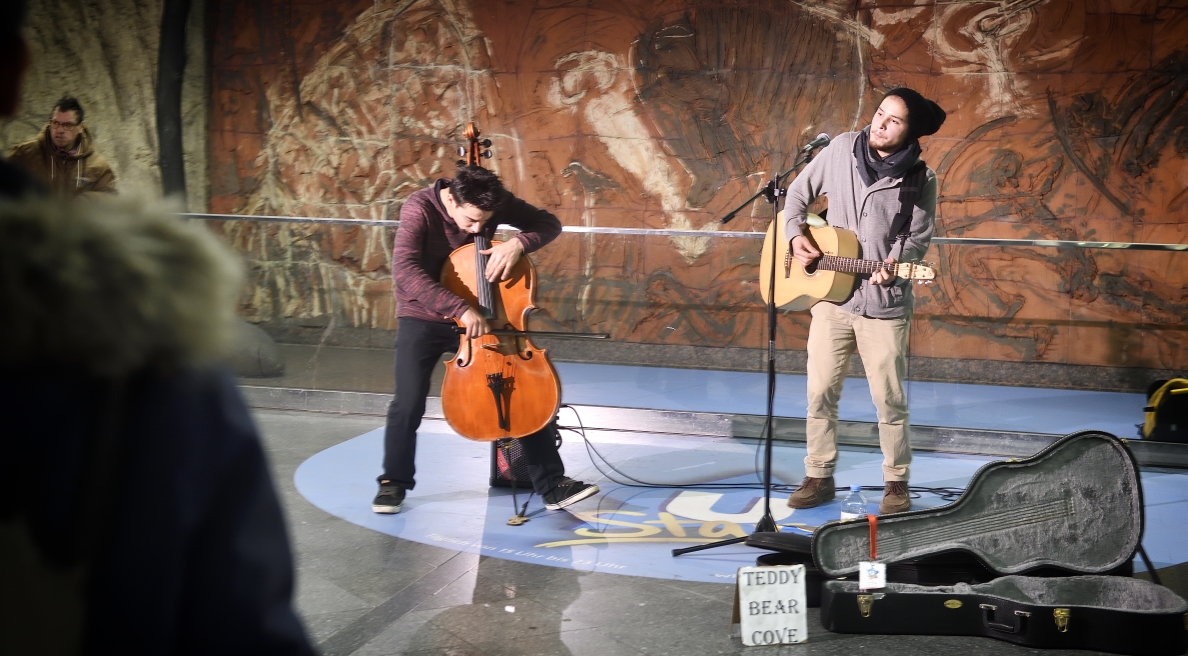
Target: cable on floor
{"type": "Point", "coordinates": [945, 493]}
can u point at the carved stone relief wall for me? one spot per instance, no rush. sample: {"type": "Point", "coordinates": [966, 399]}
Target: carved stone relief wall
{"type": "Point", "coordinates": [1067, 120]}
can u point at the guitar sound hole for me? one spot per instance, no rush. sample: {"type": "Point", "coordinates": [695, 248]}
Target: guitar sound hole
{"type": "Point", "coordinates": [812, 268]}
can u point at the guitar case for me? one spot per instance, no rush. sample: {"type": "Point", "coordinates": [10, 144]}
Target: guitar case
{"type": "Point", "coordinates": [1066, 517]}
{"type": "Point", "coordinates": [1074, 507]}
{"type": "Point", "coordinates": [1104, 613]}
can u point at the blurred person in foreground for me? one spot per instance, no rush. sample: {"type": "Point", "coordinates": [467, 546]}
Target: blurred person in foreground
{"type": "Point", "coordinates": [137, 515]}
{"type": "Point", "coordinates": [14, 61]}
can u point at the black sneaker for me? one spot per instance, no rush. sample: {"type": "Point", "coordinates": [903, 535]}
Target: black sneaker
{"type": "Point", "coordinates": [568, 492]}
{"type": "Point", "coordinates": [389, 499]}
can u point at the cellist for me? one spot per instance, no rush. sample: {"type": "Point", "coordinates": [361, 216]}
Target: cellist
{"type": "Point", "coordinates": [433, 222]}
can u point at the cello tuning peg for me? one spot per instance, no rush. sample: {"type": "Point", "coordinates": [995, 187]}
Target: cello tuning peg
{"type": "Point", "coordinates": [461, 151]}
{"type": "Point", "coordinates": [487, 154]}
{"type": "Point", "coordinates": [485, 143]}
{"type": "Point", "coordinates": [461, 162]}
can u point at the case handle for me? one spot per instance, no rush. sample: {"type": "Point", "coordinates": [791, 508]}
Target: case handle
{"type": "Point", "coordinates": [989, 612]}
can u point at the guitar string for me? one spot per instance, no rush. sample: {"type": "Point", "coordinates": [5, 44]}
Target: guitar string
{"type": "Point", "coordinates": [854, 265]}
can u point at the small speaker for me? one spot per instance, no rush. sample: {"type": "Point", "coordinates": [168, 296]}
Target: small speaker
{"type": "Point", "coordinates": [508, 464]}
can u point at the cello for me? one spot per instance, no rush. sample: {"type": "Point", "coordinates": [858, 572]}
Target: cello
{"type": "Point", "coordinates": [498, 385]}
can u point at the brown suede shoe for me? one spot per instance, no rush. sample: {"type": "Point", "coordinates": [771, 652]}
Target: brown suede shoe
{"type": "Point", "coordinates": [895, 498]}
{"type": "Point", "coordinates": [813, 492]}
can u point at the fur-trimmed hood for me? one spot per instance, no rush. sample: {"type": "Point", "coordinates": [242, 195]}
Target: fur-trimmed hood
{"type": "Point", "coordinates": [108, 286]}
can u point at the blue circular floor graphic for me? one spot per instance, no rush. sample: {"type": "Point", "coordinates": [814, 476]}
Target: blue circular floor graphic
{"type": "Point", "coordinates": [633, 530]}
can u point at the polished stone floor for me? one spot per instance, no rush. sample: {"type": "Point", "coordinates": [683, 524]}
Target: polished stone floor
{"type": "Point", "coordinates": [362, 591]}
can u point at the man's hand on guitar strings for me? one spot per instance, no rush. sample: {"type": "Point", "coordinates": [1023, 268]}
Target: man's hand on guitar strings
{"type": "Point", "coordinates": [884, 276]}
{"type": "Point", "coordinates": [804, 251]}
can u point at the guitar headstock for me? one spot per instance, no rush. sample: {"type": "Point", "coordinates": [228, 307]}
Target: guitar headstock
{"type": "Point", "coordinates": [922, 272]}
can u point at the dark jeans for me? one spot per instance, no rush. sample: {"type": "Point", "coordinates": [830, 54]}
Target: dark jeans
{"type": "Point", "coordinates": [420, 345]}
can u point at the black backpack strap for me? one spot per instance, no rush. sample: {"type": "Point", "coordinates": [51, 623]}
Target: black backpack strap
{"type": "Point", "coordinates": [910, 191]}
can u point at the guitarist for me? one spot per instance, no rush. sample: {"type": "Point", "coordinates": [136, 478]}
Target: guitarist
{"type": "Point", "coordinates": [880, 189]}
{"type": "Point", "coordinates": [433, 222]}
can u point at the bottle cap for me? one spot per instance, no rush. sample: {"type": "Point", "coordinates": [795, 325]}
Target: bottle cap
{"type": "Point", "coordinates": [855, 488]}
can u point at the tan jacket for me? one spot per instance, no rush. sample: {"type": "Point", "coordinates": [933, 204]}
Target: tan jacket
{"type": "Point", "coordinates": [66, 174]}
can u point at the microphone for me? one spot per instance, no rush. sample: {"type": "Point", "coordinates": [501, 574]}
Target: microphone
{"type": "Point", "coordinates": [821, 140]}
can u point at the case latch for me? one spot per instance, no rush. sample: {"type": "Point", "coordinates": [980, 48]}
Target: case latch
{"type": "Point", "coordinates": [864, 604]}
{"type": "Point", "coordinates": [1061, 615]}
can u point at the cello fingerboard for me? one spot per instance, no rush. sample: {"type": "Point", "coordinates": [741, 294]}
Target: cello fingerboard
{"type": "Point", "coordinates": [483, 288]}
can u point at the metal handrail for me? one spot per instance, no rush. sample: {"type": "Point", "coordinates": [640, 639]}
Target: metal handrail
{"type": "Point", "coordinates": [736, 234]}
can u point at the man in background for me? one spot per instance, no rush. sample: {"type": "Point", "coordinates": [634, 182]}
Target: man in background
{"type": "Point", "coordinates": [63, 156]}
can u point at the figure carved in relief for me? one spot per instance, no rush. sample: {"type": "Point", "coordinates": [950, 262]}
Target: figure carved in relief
{"type": "Point", "coordinates": [595, 84]}
{"type": "Point", "coordinates": [997, 41]}
{"type": "Point", "coordinates": [707, 142]}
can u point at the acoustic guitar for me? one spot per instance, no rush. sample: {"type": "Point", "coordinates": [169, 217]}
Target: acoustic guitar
{"type": "Point", "coordinates": [831, 277]}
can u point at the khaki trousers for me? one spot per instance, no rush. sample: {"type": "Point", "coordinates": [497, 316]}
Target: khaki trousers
{"type": "Point", "coordinates": [882, 344]}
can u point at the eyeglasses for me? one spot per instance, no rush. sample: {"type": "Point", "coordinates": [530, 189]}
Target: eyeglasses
{"type": "Point", "coordinates": [63, 126]}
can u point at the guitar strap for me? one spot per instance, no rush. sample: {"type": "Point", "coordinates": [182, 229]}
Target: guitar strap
{"type": "Point", "coordinates": [910, 191]}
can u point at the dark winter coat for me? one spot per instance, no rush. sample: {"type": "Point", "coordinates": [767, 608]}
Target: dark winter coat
{"type": "Point", "coordinates": [111, 319]}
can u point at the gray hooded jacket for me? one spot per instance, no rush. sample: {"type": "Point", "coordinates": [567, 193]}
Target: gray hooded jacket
{"type": "Point", "coordinates": [869, 213]}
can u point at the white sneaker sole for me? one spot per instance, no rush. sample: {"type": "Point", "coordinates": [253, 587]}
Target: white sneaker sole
{"type": "Point", "coordinates": [586, 493]}
{"type": "Point", "coordinates": [386, 510]}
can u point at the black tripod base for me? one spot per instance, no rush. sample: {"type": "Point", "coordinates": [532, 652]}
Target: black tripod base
{"type": "Point", "coordinates": [711, 545]}
{"type": "Point", "coordinates": [765, 525]}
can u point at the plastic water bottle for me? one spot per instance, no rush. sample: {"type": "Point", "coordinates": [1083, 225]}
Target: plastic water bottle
{"type": "Point", "coordinates": [854, 507]}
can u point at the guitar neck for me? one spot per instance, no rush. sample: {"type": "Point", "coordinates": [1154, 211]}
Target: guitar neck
{"type": "Point", "coordinates": [907, 270]}
{"type": "Point", "coordinates": [852, 265]}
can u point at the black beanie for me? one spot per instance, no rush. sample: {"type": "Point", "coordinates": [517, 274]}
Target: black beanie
{"type": "Point", "coordinates": [924, 116]}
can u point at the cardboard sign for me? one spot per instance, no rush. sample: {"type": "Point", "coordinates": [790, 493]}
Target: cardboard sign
{"type": "Point", "coordinates": [770, 605]}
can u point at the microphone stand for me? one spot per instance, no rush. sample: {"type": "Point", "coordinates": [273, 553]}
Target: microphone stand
{"type": "Point", "coordinates": [771, 192]}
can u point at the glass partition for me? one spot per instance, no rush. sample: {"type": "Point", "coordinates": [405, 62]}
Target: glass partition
{"type": "Point", "coordinates": [1079, 314]}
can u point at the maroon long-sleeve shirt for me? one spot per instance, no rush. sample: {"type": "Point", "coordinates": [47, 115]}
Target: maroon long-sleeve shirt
{"type": "Point", "coordinates": [426, 237]}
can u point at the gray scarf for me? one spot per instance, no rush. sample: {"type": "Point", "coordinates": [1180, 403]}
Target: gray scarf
{"type": "Point", "coordinates": [872, 169]}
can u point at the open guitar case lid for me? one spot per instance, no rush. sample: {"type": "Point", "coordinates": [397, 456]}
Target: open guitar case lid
{"type": "Point", "coordinates": [1076, 507]}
